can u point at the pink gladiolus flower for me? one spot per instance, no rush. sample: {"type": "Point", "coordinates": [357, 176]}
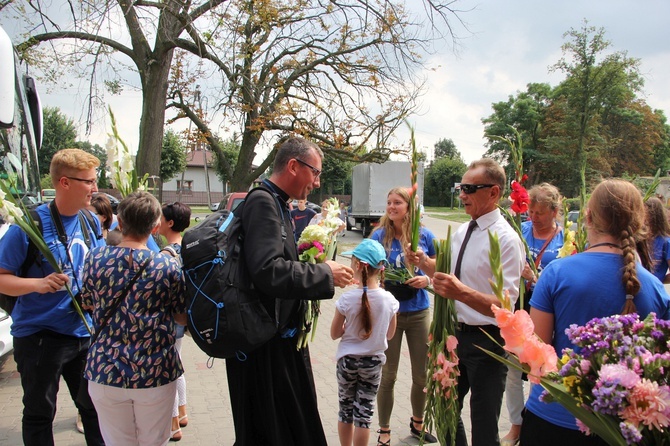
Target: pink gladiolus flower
{"type": "Point", "coordinates": [649, 404]}
{"type": "Point", "coordinates": [515, 328]}
{"type": "Point", "coordinates": [540, 357]}
{"type": "Point", "coordinates": [452, 343]}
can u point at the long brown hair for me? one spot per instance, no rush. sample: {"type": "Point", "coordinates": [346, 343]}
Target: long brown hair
{"type": "Point", "coordinates": [386, 223]}
{"type": "Point", "coordinates": [366, 313]}
{"type": "Point", "coordinates": [616, 209]}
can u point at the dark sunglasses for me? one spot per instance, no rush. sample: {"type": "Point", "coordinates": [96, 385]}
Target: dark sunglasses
{"type": "Point", "coordinates": [472, 188]}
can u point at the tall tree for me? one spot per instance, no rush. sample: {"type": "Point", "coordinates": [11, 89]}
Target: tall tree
{"type": "Point", "coordinates": [595, 84]}
{"type": "Point", "coordinates": [445, 148]}
{"type": "Point", "coordinates": [336, 72]}
{"type": "Point", "coordinates": [524, 112]}
{"type": "Point", "coordinates": [173, 156]}
{"type": "Point", "coordinates": [59, 132]}
{"type": "Point", "coordinates": [440, 178]}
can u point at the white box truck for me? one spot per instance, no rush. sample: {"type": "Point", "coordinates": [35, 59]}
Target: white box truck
{"type": "Point", "coordinates": [370, 186]}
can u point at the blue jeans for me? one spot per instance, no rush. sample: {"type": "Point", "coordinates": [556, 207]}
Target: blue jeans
{"type": "Point", "coordinates": [41, 359]}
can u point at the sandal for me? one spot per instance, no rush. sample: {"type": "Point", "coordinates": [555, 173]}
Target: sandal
{"type": "Point", "coordinates": [382, 432]}
{"type": "Point", "coordinates": [175, 435]}
{"type": "Point", "coordinates": [508, 442]}
{"type": "Point", "coordinates": [183, 421]}
{"type": "Point", "coordinates": [427, 436]}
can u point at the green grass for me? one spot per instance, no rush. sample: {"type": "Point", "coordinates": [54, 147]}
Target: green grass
{"type": "Point", "coordinates": [447, 213]}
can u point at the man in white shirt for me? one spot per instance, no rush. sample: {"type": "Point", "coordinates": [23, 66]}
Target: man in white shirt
{"type": "Point", "coordinates": [481, 188]}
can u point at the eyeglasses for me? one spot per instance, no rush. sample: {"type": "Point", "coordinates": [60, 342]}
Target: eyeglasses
{"type": "Point", "coordinates": [472, 188]}
{"type": "Point", "coordinates": [88, 182]}
{"type": "Point", "coordinates": [315, 171]}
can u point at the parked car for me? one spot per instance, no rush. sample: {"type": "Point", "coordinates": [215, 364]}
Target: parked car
{"type": "Point", "coordinates": [230, 201]}
{"type": "Point", "coordinates": [309, 205]}
{"type": "Point", "coordinates": [48, 194]}
{"type": "Point", "coordinates": [572, 218]}
{"type": "Point", "coordinates": [6, 340]}
{"type": "Point", "coordinates": [112, 199]}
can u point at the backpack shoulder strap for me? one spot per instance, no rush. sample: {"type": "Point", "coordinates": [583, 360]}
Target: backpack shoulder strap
{"type": "Point", "coordinates": [89, 226]}
{"type": "Point", "coordinates": [170, 250]}
{"type": "Point", "coordinates": [32, 255]}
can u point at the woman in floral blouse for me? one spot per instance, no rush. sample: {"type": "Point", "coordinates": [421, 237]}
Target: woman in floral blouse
{"type": "Point", "coordinates": [133, 366]}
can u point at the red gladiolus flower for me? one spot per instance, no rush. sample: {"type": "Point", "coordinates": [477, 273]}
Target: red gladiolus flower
{"type": "Point", "coordinates": [519, 197]}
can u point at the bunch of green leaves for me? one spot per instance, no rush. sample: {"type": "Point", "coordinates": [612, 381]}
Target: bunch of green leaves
{"type": "Point", "coordinates": [397, 274]}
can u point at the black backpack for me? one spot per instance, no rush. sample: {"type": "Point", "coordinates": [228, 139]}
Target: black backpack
{"type": "Point", "coordinates": [225, 315]}
{"type": "Point", "coordinates": [33, 256]}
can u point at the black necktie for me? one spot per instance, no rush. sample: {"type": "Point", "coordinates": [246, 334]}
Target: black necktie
{"type": "Point", "coordinates": [459, 260]}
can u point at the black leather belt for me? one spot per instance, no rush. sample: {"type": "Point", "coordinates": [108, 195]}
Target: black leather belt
{"type": "Point", "coordinates": [465, 328]}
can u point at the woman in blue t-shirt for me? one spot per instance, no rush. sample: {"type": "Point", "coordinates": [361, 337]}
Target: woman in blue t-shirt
{"type": "Point", "coordinates": [658, 238]}
{"type": "Point", "coordinates": [394, 234]}
{"type": "Point", "coordinates": [544, 237]}
{"type": "Point", "coordinates": [605, 280]}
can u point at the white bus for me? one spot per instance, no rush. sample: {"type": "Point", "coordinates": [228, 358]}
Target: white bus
{"type": "Point", "coordinates": [20, 123]}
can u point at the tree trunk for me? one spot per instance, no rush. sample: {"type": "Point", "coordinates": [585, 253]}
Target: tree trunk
{"type": "Point", "coordinates": [152, 122]}
{"type": "Point", "coordinates": [241, 179]}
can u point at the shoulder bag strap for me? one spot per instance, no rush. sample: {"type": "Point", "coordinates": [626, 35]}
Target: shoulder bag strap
{"type": "Point", "coordinates": [112, 309]}
{"type": "Point", "coordinates": [538, 259]}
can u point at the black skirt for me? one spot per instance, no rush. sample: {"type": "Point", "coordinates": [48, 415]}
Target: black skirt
{"type": "Point", "coordinates": [273, 397]}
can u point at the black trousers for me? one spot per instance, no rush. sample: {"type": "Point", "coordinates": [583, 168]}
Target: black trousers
{"type": "Point", "coordinates": [484, 378]}
{"type": "Point", "coordinates": [41, 359]}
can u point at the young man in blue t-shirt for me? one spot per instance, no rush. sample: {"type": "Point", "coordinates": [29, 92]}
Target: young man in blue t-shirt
{"type": "Point", "coordinates": [50, 340]}
{"type": "Point", "coordinates": [301, 217]}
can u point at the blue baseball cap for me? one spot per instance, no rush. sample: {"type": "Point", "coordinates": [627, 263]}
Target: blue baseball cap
{"type": "Point", "coordinates": [369, 251]}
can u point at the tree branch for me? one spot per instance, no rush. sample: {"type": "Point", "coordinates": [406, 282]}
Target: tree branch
{"type": "Point", "coordinates": [46, 37]}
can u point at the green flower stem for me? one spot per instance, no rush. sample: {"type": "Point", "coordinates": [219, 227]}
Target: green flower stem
{"type": "Point", "coordinates": [414, 210]}
{"type": "Point", "coordinates": [442, 411]}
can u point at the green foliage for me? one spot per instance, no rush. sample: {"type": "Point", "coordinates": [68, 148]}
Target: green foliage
{"type": "Point", "coordinates": [59, 133]}
{"type": "Point", "coordinates": [445, 148]}
{"type": "Point", "coordinates": [571, 204]}
{"type": "Point", "coordinates": [173, 156]}
{"type": "Point", "coordinates": [100, 153]}
{"type": "Point", "coordinates": [336, 176]}
{"type": "Point", "coordinates": [592, 118]}
{"type": "Point", "coordinates": [45, 182]}
{"type": "Point", "coordinates": [231, 149]}
{"type": "Point", "coordinates": [439, 180]}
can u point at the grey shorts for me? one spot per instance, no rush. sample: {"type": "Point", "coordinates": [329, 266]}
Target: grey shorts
{"type": "Point", "coordinates": [358, 379]}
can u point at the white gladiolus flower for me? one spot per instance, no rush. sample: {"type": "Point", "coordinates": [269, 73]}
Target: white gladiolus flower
{"type": "Point", "coordinates": [126, 163]}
